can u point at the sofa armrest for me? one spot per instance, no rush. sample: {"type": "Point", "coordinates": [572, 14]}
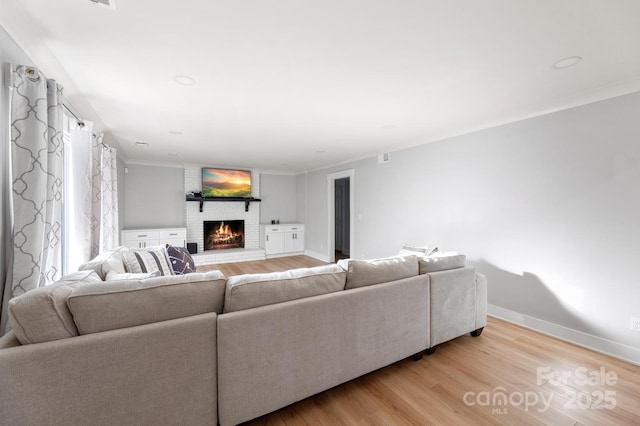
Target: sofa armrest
{"type": "Point", "coordinates": [481, 300]}
{"type": "Point", "coordinates": [160, 373]}
{"type": "Point", "coordinates": [454, 304]}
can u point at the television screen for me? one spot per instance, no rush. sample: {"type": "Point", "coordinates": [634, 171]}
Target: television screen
{"type": "Point", "coordinates": [226, 183]}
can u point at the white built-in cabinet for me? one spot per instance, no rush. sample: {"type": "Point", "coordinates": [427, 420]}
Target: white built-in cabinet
{"type": "Point", "coordinates": [142, 238]}
{"type": "Point", "coordinates": [284, 239]}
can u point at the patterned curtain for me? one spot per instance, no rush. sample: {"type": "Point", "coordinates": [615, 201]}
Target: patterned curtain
{"type": "Point", "coordinates": [104, 199]}
{"type": "Point", "coordinates": [36, 175]}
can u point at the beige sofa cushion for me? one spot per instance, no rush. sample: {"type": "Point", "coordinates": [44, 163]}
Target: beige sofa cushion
{"type": "Point", "coordinates": [252, 290]}
{"type": "Point", "coordinates": [111, 261]}
{"type": "Point", "coordinates": [441, 262]}
{"type": "Point", "coordinates": [118, 304]}
{"type": "Point", "coordinates": [361, 273]}
{"type": "Point", "coordinates": [41, 314]}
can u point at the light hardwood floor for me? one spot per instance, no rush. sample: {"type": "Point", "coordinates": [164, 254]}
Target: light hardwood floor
{"type": "Point", "coordinates": [462, 382]}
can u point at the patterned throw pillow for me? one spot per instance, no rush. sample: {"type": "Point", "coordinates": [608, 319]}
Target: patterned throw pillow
{"type": "Point", "coordinates": [148, 261]}
{"type": "Point", "coordinates": [180, 260]}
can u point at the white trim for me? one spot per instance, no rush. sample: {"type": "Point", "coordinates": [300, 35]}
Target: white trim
{"type": "Point", "coordinates": [152, 164]}
{"type": "Point", "coordinates": [315, 255]}
{"type": "Point", "coordinates": [331, 193]}
{"type": "Point", "coordinates": [589, 341]}
{"type": "Point", "coordinates": [289, 254]}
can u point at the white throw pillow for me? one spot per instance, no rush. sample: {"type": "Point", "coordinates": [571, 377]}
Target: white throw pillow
{"type": "Point", "coordinates": [150, 260]}
{"type": "Point", "coordinates": [408, 250]}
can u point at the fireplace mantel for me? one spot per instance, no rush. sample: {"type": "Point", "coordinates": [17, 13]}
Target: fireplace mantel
{"type": "Point", "coordinates": [246, 201]}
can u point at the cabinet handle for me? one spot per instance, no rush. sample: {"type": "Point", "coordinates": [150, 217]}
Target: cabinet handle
{"type": "Point", "coordinates": [141, 236]}
{"type": "Point", "coordinates": [174, 234]}
{"type": "Point", "coordinates": [267, 238]}
{"type": "Point", "coordinates": [294, 229]}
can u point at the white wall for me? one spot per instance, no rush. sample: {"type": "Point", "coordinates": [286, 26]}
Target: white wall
{"type": "Point", "coordinates": [548, 208]}
{"type": "Point", "coordinates": [278, 195]}
{"type": "Point", "coordinates": [154, 196]}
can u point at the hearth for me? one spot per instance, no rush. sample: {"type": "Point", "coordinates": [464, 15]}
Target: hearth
{"type": "Point", "coordinates": [223, 234]}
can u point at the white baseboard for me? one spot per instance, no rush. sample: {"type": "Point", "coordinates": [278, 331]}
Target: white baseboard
{"type": "Point", "coordinates": [589, 341]}
{"type": "Point", "coordinates": [295, 253]}
{"type": "Point", "coordinates": [315, 255]}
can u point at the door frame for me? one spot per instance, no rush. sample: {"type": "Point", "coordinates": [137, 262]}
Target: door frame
{"type": "Point", "coordinates": [331, 211]}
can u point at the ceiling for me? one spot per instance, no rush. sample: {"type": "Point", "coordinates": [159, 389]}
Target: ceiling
{"type": "Point", "coordinates": [291, 85]}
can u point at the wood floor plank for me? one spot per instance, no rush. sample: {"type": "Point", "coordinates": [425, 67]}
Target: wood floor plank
{"type": "Point", "coordinates": [432, 390]}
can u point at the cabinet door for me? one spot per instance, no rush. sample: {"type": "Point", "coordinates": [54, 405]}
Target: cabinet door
{"type": "Point", "coordinates": [139, 239]}
{"type": "Point", "coordinates": [274, 243]}
{"type": "Point", "coordinates": [298, 241]}
{"type": "Point", "coordinates": [294, 242]}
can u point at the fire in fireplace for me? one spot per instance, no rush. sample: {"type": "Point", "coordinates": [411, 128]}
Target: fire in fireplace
{"type": "Point", "coordinates": [219, 234]}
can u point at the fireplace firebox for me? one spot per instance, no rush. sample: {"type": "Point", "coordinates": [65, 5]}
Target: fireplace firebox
{"type": "Point", "coordinates": [223, 234]}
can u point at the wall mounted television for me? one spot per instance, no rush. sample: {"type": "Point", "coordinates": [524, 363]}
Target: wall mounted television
{"type": "Point", "coordinates": [226, 183]}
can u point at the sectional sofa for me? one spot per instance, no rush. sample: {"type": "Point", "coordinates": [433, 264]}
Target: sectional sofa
{"type": "Point", "coordinates": [202, 349]}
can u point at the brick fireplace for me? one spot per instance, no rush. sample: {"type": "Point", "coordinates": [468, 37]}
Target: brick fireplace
{"type": "Point", "coordinates": [222, 212]}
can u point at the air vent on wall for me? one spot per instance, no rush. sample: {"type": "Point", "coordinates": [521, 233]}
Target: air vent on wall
{"type": "Point", "coordinates": [384, 158]}
{"type": "Point", "coordinates": [111, 4]}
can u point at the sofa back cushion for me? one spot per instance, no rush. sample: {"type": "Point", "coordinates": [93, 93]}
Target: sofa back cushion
{"type": "Point", "coordinates": [118, 304]}
{"type": "Point", "coordinates": [361, 273]}
{"type": "Point", "coordinates": [252, 290]}
{"type": "Point", "coordinates": [42, 314]}
{"type": "Point", "coordinates": [107, 261]}
{"type": "Point", "coordinates": [441, 262]}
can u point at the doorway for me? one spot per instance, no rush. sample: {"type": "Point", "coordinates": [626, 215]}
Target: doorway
{"type": "Point", "coordinates": [342, 219]}
{"type": "Point", "coordinates": [340, 214]}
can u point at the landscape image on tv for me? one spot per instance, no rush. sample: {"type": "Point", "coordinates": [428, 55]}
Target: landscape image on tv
{"type": "Point", "coordinates": [226, 183]}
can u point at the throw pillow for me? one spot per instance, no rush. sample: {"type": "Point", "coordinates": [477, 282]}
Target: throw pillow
{"type": "Point", "coordinates": [148, 261]}
{"type": "Point", "coordinates": [180, 260]}
{"type": "Point", "coordinates": [408, 250]}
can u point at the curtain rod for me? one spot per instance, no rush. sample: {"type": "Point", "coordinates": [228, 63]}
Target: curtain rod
{"type": "Point", "coordinates": [79, 119]}
{"type": "Point", "coordinates": [73, 113]}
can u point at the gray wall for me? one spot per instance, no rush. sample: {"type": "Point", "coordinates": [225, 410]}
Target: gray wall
{"type": "Point", "coordinates": [154, 196]}
{"type": "Point", "coordinates": [548, 208]}
{"type": "Point", "coordinates": [278, 195]}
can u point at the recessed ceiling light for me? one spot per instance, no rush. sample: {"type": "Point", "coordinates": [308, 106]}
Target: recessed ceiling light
{"type": "Point", "coordinates": [567, 62]}
{"type": "Point", "coordinates": [184, 80]}
{"type": "Point", "coordinates": [172, 155]}
{"type": "Point", "coordinates": [143, 144]}
{"type": "Point", "coordinates": [175, 132]}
